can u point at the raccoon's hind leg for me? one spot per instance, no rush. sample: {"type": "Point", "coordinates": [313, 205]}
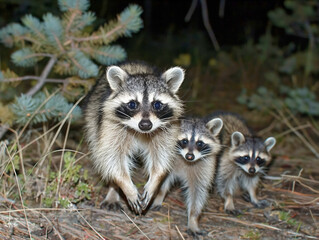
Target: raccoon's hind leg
{"type": "Point", "coordinates": [112, 200]}
{"type": "Point", "coordinates": [196, 195]}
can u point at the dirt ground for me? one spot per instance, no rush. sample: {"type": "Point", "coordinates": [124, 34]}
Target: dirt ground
{"type": "Point", "coordinates": [290, 186]}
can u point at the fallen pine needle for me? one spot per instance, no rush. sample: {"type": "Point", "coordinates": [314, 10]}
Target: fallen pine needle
{"type": "Point", "coordinates": [90, 225]}
{"type": "Point", "coordinates": [179, 232]}
{"type": "Point", "coordinates": [264, 226]}
{"type": "Point", "coordinates": [135, 224]}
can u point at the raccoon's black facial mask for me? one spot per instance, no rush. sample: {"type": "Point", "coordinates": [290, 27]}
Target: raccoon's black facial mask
{"type": "Point", "coordinates": [203, 148]}
{"type": "Point", "coordinates": [162, 111]}
{"type": "Point", "coordinates": [242, 160]}
{"type": "Point", "coordinates": [260, 162]}
{"type": "Point", "coordinates": [183, 143]}
{"type": "Point", "coordinates": [127, 110]}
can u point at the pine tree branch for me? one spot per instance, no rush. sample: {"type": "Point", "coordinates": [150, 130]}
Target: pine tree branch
{"type": "Point", "coordinates": [59, 43]}
{"type": "Point", "coordinates": [97, 37]}
{"type": "Point", "coordinates": [92, 51]}
{"type": "Point", "coordinates": [77, 64]}
{"type": "Point", "coordinates": [38, 55]}
{"type": "Point", "coordinates": [43, 77]}
{"type": "Point", "coordinates": [71, 19]}
{"type": "Point", "coordinates": [29, 39]}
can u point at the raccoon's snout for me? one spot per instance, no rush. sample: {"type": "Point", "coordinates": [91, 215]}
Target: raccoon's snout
{"type": "Point", "coordinates": [189, 156]}
{"type": "Point", "coordinates": [251, 170]}
{"type": "Point", "coordinates": [145, 125]}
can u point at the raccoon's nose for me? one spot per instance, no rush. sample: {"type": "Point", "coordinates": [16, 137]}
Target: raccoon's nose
{"type": "Point", "coordinates": [252, 170]}
{"type": "Point", "coordinates": [189, 156]}
{"type": "Point", "coordinates": [145, 125]}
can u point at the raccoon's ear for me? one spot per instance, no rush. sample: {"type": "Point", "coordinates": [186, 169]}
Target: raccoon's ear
{"type": "Point", "coordinates": [215, 125]}
{"type": "Point", "coordinates": [115, 76]}
{"type": "Point", "coordinates": [174, 78]}
{"type": "Point", "coordinates": [270, 143]}
{"type": "Point", "coordinates": [237, 138]}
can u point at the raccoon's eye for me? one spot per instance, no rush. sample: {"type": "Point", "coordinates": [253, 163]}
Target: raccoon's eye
{"type": "Point", "coordinates": [184, 141]}
{"type": "Point", "coordinates": [157, 105]}
{"type": "Point", "coordinates": [242, 160]}
{"type": "Point", "coordinates": [260, 161]}
{"type": "Point", "coordinates": [200, 144]}
{"type": "Point", "coordinates": [132, 105]}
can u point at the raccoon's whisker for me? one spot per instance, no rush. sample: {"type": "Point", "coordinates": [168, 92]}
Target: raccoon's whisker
{"type": "Point", "coordinates": [126, 115]}
{"type": "Point", "coordinates": [177, 149]}
{"type": "Point", "coordinates": [261, 171]}
{"type": "Point", "coordinates": [187, 120]}
{"type": "Point", "coordinates": [223, 145]}
{"type": "Point", "coordinates": [167, 119]}
{"type": "Point", "coordinates": [164, 129]}
{"type": "Point", "coordinates": [205, 155]}
{"type": "Point", "coordinates": [170, 117]}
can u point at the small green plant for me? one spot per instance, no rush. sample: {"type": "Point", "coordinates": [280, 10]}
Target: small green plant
{"type": "Point", "coordinates": [286, 217]}
{"type": "Point", "coordinates": [252, 235]}
{"type": "Point", "coordinates": [289, 92]}
{"type": "Point", "coordinates": [297, 100]}
{"type": "Point", "coordinates": [72, 187]}
{"type": "Point", "coordinates": [299, 18]}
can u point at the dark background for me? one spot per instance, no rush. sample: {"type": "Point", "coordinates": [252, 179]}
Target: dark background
{"type": "Point", "coordinates": [166, 35]}
{"type": "Point", "coordinates": [243, 19]}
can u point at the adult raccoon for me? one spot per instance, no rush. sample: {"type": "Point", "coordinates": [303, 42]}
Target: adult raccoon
{"type": "Point", "coordinates": [133, 110]}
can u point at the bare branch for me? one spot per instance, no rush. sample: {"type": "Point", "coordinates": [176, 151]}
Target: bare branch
{"type": "Point", "coordinates": [48, 80]}
{"type": "Point", "coordinates": [17, 79]}
{"type": "Point", "coordinates": [191, 10]}
{"type": "Point", "coordinates": [207, 25]}
{"type": "Point", "coordinates": [43, 77]}
{"type": "Point", "coordinates": [222, 8]}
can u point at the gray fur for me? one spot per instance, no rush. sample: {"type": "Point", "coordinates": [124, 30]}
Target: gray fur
{"type": "Point", "coordinates": [196, 176]}
{"type": "Point", "coordinates": [114, 133]}
{"type": "Point", "coordinates": [232, 176]}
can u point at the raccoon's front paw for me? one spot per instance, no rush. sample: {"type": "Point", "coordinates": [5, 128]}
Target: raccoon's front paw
{"type": "Point", "coordinates": [262, 204]}
{"type": "Point", "coordinates": [234, 212]}
{"type": "Point", "coordinates": [111, 206]}
{"type": "Point", "coordinates": [135, 205]}
{"type": "Point", "coordinates": [146, 198]}
{"type": "Point", "coordinates": [196, 234]}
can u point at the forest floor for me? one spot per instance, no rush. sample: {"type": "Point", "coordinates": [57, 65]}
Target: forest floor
{"type": "Point", "coordinates": [294, 213]}
{"type": "Point", "coordinates": [292, 186]}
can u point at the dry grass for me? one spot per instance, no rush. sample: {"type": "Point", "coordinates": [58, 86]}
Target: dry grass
{"type": "Point", "coordinates": [87, 221]}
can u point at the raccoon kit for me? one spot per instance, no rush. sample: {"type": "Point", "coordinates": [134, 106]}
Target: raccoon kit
{"type": "Point", "coordinates": [194, 166]}
{"type": "Point", "coordinates": [133, 110]}
{"type": "Point", "coordinates": [241, 161]}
